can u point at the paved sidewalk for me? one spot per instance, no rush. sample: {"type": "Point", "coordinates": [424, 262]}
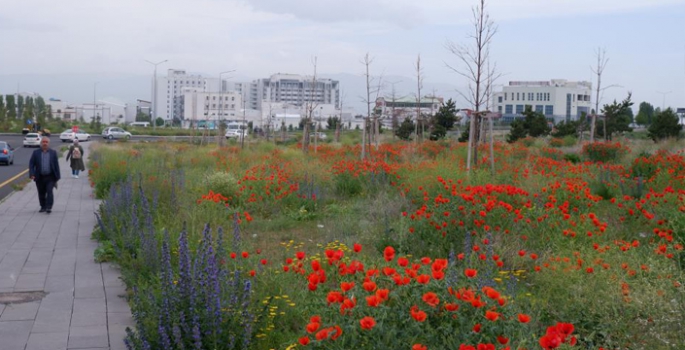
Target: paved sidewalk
{"type": "Point", "coordinates": [54, 253]}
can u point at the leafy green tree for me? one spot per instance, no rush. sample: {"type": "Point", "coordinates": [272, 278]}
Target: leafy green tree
{"type": "Point", "coordinates": [464, 137]}
{"type": "Point", "coordinates": [617, 117]}
{"type": "Point", "coordinates": [159, 121]}
{"type": "Point", "coordinates": [20, 106]}
{"type": "Point", "coordinates": [406, 129]}
{"type": "Point", "coordinates": [443, 120]}
{"type": "Point", "coordinates": [565, 128]}
{"type": "Point", "coordinates": [518, 131]}
{"type": "Point", "coordinates": [645, 114]}
{"type": "Point", "coordinates": [664, 125]}
{"type": "Point", "coordinates": [332, 123]}
{"type": "Point", "coordinates": [3, 111]}
{"type": "Point", "coordinates": [533, 124]}
{"type": "Point", "coordinates": [11, 107]}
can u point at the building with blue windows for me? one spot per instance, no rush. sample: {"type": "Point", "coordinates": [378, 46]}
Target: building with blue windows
{"type": "Point", "coordinates": [559, 100]}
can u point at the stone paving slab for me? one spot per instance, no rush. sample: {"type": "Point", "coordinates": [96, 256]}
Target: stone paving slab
{"type": "Point", "coordinates": [84, 306]}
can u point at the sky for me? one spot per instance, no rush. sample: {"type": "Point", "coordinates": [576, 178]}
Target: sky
{"type": "Point", "coordinates": [536, 40]}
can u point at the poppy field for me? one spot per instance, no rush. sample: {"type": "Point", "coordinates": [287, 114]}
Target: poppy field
{"type": "Point", "coordinates": [268, 248]}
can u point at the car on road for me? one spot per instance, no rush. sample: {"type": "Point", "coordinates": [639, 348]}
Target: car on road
{"type": "Point", "coordinates": [70, 135]}
{"type": "Point", "coordinates": [32, 140]}
{"type": "Point", "coordinates": [114, 132]}
{"type": "Point", "coordinates": [235, 134]}
{"type": "Point", "coordinates": [6, 153]}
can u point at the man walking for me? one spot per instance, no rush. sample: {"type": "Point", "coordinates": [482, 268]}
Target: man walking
{"type": "Point", "coordinates": [44, 170]}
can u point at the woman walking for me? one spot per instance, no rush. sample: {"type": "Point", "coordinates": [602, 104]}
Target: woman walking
{"type": "Point", "coordinates": [76, 156]}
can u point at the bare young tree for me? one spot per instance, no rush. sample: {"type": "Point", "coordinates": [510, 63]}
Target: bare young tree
{"type": "Point", "coordinates": [601, 64]}
{"type": "Point", "coordinates": [338, 125]}
{"type": "Point", "coordinates": [419, 85]}
{"type": "Point", "coordinates": [393, 110]}
{"type": "Point", "coordinates": [473, 58]}
{"type": "Point", "coordinates": [376, 115]}
{"type": "Point", "coordinates": [309, 110]}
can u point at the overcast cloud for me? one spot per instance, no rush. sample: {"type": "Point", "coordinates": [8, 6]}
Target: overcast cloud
{"type": "Point", "coordinates": [537, 39]}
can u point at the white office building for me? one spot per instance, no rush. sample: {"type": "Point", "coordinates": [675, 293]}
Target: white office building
{"type": "Point", "coordinates": [293, 89]}
{"type": "Point", "coordinates": [559, 100]}
{"type": "Point", "coordinates": [210, 108]}
{"type": "Point", "coordinates": [170, 89]}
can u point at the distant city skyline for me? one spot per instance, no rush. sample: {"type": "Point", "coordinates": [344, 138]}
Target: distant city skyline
{"type": "Point", "coordinates": [537, 40]}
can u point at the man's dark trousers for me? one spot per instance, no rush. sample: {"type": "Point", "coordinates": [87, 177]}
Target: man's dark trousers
{"type": "Point", "coordinates": [45, 185]}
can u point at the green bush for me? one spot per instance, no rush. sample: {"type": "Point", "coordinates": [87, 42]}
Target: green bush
{"type": "Point", "coordinates": [572, 157]}
{"type": "Point", "coordinates": [347, 185]}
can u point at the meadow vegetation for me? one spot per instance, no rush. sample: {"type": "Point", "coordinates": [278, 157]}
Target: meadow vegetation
{"type": "Point", "coordinates": [563, 247]}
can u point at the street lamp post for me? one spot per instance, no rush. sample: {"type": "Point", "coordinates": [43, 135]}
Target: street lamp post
{"type": "Point", "coordinates": [154, 93]}
{"type": "Point", "coordinates": [663, 103]}
{"type": "Point", "coordinates": [95, 87]}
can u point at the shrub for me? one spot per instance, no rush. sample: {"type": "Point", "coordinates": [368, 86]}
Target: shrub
{"type": "Point", "coordinates": [604, 152]}
{"type": "Point", "coordinates": [572, 157]}
{"type": "Point", "coordinates": [569, 141]}
{"type": "Point", "coordinates": [666, 124]}
{"type": "Point", "coordinates": [224, 183]}
{"type": "Point", "coordinates": [556, 142]}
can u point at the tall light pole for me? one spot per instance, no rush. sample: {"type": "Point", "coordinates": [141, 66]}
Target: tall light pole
{"type": "Point", "coordinates": [154, 93]}
{"type": "Point", "coordinates": [95, 87]}
{"type": "Point", "coordinates": [663, 103]}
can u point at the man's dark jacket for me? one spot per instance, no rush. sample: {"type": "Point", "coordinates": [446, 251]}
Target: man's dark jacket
{"type": "Point", "coordinates": [37, 160]}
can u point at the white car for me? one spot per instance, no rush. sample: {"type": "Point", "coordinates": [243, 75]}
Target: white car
{"type": "Point", "coordinates": [235, 133]}
{"type": "Point", "coordinates": [32, 140]}
{"type": "Point", "coordinates": [70, 135]}
{"type": "Point", "coordinates": [114, 132]}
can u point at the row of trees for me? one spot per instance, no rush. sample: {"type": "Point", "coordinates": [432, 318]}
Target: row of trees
{"type": "Point", "coordinates": [17, 108]}
{"type": "Point", "coordinates": [437, 125]}
{"type": "Point", "coordinates": [617, 119]}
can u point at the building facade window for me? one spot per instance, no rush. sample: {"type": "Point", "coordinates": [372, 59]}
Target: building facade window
{"type": "Point", "coordinates": [508, 109]}
{"type": "Point", "coordinates": [539, 108]}
{"type": "Point", "coordinates": [499, 99]}
{"type": "Point", "coordinates": [519, 109]}
{"type": "Point", "coordinates": [549, 110]}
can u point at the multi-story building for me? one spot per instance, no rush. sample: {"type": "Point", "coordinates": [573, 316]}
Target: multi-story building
{"type": "Point", "coordinates": [680, 112]}
{"type": "Point", "coordinates": [169, 99]}
{"type": "Point", "coordinates": [210, 108]}
{"type": "Point", "coordinates": [402, 108]}
{"type": "Point", "coordinates": [558, 99]}
{"type": "Point", "coordinates": [293, 89]}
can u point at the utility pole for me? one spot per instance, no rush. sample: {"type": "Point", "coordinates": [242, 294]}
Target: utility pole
{"type": "Point", "coordinates": [154, 93]}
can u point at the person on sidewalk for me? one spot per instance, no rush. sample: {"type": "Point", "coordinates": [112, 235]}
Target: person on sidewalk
{"type": "Point", "coordinates": [44, 170]}
{"type": "Point", "coordinates": [76, 155]}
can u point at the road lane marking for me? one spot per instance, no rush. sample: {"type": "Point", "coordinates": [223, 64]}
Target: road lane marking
{"type": "Point", "coordinates": [14, 178]}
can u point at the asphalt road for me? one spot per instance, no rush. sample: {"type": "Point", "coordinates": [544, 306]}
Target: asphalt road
{"type": "Point", "coordinates": [18, 172]}
{"type": "Point", "coordinates": [10, 174]}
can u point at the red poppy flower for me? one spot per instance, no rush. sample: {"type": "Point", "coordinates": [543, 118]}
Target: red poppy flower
{"type": "Point", "coordinates": [491, 315]}
{"type": "Point", "coordinates": [322, 334]}
{"type": "Point", "coordinates": [300, 255]}
{"type": "Point", "coordinates": [357, 247]}
{"type": "Point", "coordinates": [419, 347]}
{"type": "Point", "coordinates": [389, 253]}
{"type": "Point", "coordinates": [431, 299]}
{"type": "Point", "coordinates": [367, 322]}
{"type": "Point", "coordinates": [312, 327]}
{"type": "Point", "coordinates": [304, 341]}
{"type": "Point", "coordinates": [417, 314]}
{"type": "Point", "coordinates": [470, 273]}
{"type": "Point", "coordinates": [346, 286]}
{"type": "Point", "coordinates": [523, 318]}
